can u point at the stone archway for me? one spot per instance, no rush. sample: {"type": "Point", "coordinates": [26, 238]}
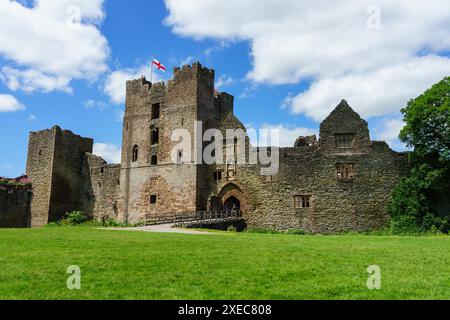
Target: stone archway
{"type": "Point", "coordinates": [232, 203]}
{"type": "Point", "coordinates": [232, 197]}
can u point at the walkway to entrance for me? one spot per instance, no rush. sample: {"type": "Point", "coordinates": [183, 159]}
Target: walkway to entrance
{"type": "Point", "coordinates": [162, 228]}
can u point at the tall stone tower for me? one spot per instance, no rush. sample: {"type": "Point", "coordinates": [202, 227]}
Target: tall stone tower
{"type": "Point", "coordinates": [155, 179]}
{"type": "Point", "coordinates": [56, 167]}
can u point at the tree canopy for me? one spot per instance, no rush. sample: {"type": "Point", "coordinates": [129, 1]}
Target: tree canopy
{"type": "Point", "coordinates": [421, 201]}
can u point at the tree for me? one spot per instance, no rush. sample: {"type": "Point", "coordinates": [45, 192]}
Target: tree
{"type": "Point", "coordinates": [421, 201]}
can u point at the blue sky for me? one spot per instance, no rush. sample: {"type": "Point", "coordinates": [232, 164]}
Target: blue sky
{"type": "Point", "coordinates": [278, 80]}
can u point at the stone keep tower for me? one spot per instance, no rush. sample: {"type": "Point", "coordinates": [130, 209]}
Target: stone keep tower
{"type": "Point", "coordinates": [56, 167]}
{"type": "Point", "coordinates": [151, 182]}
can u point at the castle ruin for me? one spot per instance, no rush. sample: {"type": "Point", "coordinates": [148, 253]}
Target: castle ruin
{"type": "Point", "coordinates": [340, 182]}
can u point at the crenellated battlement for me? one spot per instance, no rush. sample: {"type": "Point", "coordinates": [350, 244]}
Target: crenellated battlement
{"type": "Point", "coordinates": [138, 85]}
{"type": "Point", "coordinates": [194, 71]}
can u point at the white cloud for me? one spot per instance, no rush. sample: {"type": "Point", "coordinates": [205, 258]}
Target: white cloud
{"type": "Point", "coordinates": [95, 104]}
{"type": "Point", "coordinates": [119, 115]}
{"type": "Point", "coordinates": [115, 84]}
{"type": "Point", "coordinates": [187, 60]}
{"type": "Point", "coordinates": [224, 81]}
{"type": "Point", "coordinates": [8, 103]}
{"type": "Point", "coordinates": [107, 151]}
{"type": "Point", "coordinates": [276, 135]}
{"type": "Point", "coordinates": [331, 46]}
{"type": "Point", "coordinates": [388, 130]}
{"type": "Point", "coordinates": [50, 43]}
{"type": "Point", "coordinates": [31, 80]}
{"type": "Point", "coordinates": [31, 118]}
{"type": "Point", "coordinates": [381, 92]}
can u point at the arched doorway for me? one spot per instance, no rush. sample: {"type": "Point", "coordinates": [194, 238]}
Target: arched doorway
{"type": "Point", "coordinates": [232, 204]}
{"type": "Point", "coordinates": [232, 198]}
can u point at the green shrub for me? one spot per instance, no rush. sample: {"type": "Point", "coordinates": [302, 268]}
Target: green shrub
{"type": "Point", "coordinates": [111, 223]}
{"type": "Point", "coordinates": [54, 225]}
{"type": "Point", "coordinates": [231, 229]}
{"type": "Point", "coordinates": [74, 218]}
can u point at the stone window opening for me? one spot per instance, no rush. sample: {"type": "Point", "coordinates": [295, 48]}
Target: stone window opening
{"type": "Point", "coordinates": [156, 108]}
{"type": "Point", "coordinates": [40, 153]}
{"type": "Point", "coordinates": [153, 199]}
{"type": "Point", "coordinates": [102, 170]}
{"type": "Point", "coordinates": [182, 121]}
{"type": "Point", "coordinates": [345, 171]}
{"type": "Point", "coordinates": [154, 160]}
{"type": "Point", "coordinates": [135, 156]}
{"type": "Point", "coordinates": [218, 175]}
{"type": "Point", "coordinates": [345, 140]}
{"type": "Point", "coordinates": [302, 202]}
{"type": "Point", "coordinates": [155, 137]}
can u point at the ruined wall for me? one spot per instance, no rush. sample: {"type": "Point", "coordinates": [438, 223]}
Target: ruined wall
{"type": "Point", "coordinates": [56, 167]}
{"type": "Point", "coordinates": [69, 174]}
{"type": "Point", "coordinates": [41, 150]}
{"type": "Point", "coordinates": [344, 120]}
{"type": "Point", "coordinates": [103, 187]}
{"type": "Point", "coordinates": [336, 205]}
{"type": "Point", "coordinates": [15, 201]}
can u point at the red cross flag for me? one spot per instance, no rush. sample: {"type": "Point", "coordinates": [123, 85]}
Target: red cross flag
{"type": "Point", "coordinates": [159, 65]}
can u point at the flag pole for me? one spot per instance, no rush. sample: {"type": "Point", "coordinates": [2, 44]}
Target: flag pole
{"type": "Point", "coordinates": [151, 76]}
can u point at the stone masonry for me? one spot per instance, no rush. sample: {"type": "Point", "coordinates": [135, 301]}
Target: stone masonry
{"type": "Point", "coordinates": [338, 182]}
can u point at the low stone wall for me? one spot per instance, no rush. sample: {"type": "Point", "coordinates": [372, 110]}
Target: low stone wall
{"type": "Point", "coordinates": [15, 202]}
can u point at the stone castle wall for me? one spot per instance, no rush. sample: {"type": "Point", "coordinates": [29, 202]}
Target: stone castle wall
{"type": "Point", "coordinates": [336, 205]}
{"type": "Point", "coordinates": [15, 201]}
{"type": "Point", "coordinates": [66, 176]}
{"type": "Point", "coordinates": [41, 151]}
{"type": "Point", "coordinates": [102, 189]}
{"type": "Point", "coordinates": [189, 97]}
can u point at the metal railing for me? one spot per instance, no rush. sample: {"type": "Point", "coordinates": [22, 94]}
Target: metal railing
{"type": "Point", "coordinates": [200, 216]}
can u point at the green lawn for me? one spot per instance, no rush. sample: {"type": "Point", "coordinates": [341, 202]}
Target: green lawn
{"type": "Point", "coordinates": [134, 265]}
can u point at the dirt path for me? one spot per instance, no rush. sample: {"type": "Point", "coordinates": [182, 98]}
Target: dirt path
{"type": "Point", "coordinates": [164, 228]}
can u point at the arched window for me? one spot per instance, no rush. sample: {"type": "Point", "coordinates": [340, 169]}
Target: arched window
{"type": "Point", "coordinates": [135, 153]}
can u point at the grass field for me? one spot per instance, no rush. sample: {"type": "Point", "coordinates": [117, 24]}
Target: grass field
{"type": "Point", "coordinates": [133, 265]}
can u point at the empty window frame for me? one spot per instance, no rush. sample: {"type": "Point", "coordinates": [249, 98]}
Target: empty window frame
{"type": "Point", "coordinates": [345, 140]}
{"type": "Point", "coordinates": [153, 199]}
{"type": "Point", "coordinates": [345, 171]}
{"type": "Point", "coordinates": [156, 109]}
{"type": "Point", "coordinates": [154, 160]}
{"type": "Point", "coordinates": [302, 202]}
{"type": "Point", "coordinates": [135, 154]}
{"type": "Point", "coordinates": [218, 175]}
{"type": "Point", "coordinates": [155, 137]}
